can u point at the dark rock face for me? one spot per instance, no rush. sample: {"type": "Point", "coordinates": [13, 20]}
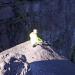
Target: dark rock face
{"type": "Point", "coordinates": [53, 67]}
{"type": "Point", "coordinates": [53, 19]}
{"type": "Point", "coordinates": [14, 65]}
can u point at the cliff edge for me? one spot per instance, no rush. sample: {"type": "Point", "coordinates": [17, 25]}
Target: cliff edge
{"type": "Point", "coordinates": [23, 59]}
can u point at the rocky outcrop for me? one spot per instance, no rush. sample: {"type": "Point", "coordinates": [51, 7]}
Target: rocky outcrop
{"type": "Point", "coordinates": [23, 59]}
{"type": "Point", "coordinates": [53, 19]}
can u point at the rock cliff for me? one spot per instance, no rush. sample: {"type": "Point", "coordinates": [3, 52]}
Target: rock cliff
{"type": "Point", "coordinates": [23, 59]}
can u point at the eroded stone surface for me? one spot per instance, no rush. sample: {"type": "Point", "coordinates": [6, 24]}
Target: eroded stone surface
{"type": "Point", "coordinates": [24, 59]}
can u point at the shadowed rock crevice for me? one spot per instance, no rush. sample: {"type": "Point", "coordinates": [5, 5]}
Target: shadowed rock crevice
{"type": "Point", "coordinates": [16, 65]}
